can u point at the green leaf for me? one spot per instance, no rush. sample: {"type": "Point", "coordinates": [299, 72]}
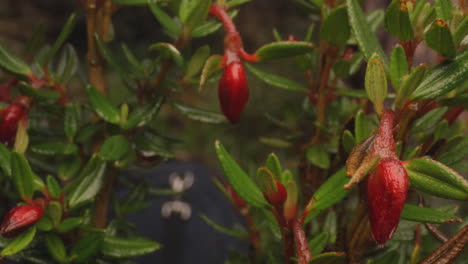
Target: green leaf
{"type": "Point", "coordinates": [274, 165]}
{"type": "Point", "coordinates": [409, 84]}
{"type": "Point", "coordinates": [193, 12]}
{"type": "Point", "coordinates": [42, 94]}
{"type": "Point", "coordinates": [461, 31]}
{"type": "Point", "coordinates": [69, 224]}
{"type": "Point", "coordinates": [131, 2]}
{"type": "Point", "coordinates": [137, 67]}
{"type": "Point", "coordinates": [397, 21]}
{"type": "Point", "coordinates": [53, 187]}
{"type": "Point", "coordinates": [455, 151]}
{"type": "Point", "coordinates": [86, 247]}
{"type": "Point", "coordinates": [20, 242]}
{"type": "Point", "coordinates": [366, 39]}
{"type": "Point", "coordinates": [127, 247]}
{"type": "Point", "coordinates": [199, 114]}
{"type": "Point", "coordinates": [328, 258]}
{"type": "Point", "coordinates": [152, 145]}
{"type": "Point", "coordinates": [318, 243]}
{"type": "Point", "coordinates": [329, 193]}
{"type": "Point", "coordinates": [67, 65]}
{"type": "Point", "coordinates": [318, 156]}
{"type": "Point", "coordinates": [69, 168]}
{"type": "Point", "coordinates": [362, 127]}
{"type": "Point", "coordinates": [398, 66]}
{"type": "Point", "coordinates": [109, 57]}
{"type": "Point", "coordinates": [283, 49]}
{"type": "Point", "coordinates": [88, 183]}
{"type": "Point", "coordinates": [23, 175]}
{"type": "Point", "coordinates": [169, 50]}
{"type": "Point", "coordinates": [443, 9]}
{"type": "Point", "coordinates": [335, 28]}
{"type": "Point", "coordinates": [348, 141]}
{"type": "Point", "coordinates": [439, 38]}
{"type": "Point", "coordinates": [275, 142]}
{"type": "Point", "coordinates": [197, 62]}
{"type": "Point", "coordinates": [143, 114]}
{"type": "Point", "coordinates": [239, 180]}
{"type": "Point", "coordinates": [376, 83]}
{"type": "Point", "coordinates": [64, 34]}
{"type": "Point", "coordinates": [234, 3]}
{"type": "Point", "coordinates": [70, 121]}
{"type": "Point", "coordinates": [429, 120]}
{"type": "Point", "coordinates": [114, 148]}
{"type": "Point", "coordinates": [444, 78]}
{"type": "Point", "coordinates": [54, 148]}
{"type": "Point", "coordinates": [45, 224]}
{"type": "Point", "coordinates": [164, 19]}
{"type": "Point", "coordinates": [5, 160]}
{"type": "Point", "coordinates": [212, 65]}
{"type": "Point", "coordinates": [228, 231]}
{"type": "Point", "coordinates": [426, 215]}
{"type": "Point", "coordinates": [434, 186]}
{"type": "Point", "coordinates": [437, 170]}
{"type": "Point", "coordinates": [276, 80]}
{"type": "Point", "coordinates": [55, 212]}
{"type": "Point", "coordinates": [102, 106]}
{"type": "Point", "coordinates": [56, 247]}
{"type": "Point", "coordinates": [210, 26]}
{"type": "Point", "coordinates": [12, 63]}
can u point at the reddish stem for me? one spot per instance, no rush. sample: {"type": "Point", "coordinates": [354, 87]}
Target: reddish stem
{"type": "Point", "coordinates": [223, 16]}
{"type": "Point", "coordinates": [302, 248]}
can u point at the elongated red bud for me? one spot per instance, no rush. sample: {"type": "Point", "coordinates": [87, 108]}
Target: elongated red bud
{"type": "Point", "coordinates": [19, 218]}
{"type": "Point", "coordinates": [10, 117]}
{"type": "Point", "coordinates": [233, 91]}
{"type": "Point", "coordinates": [387, 187]}
{"type": "Point", "coordinates": [277, 197]}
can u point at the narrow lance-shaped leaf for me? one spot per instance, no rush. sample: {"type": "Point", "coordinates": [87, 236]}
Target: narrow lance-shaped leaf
{"type": "Point", "coordinates": [20, 242]}
{"type": "Point", "coordinates": [408, 85]}
{"type": "Point", "coordinates": [70, 121]}
{"type": "Point", "coordinates": [376, 83]}
{"type": "Point", "coordinates": [12, 63]}
{"type": "Point", "coordinates": [283, 49]}
{"type": "Point", "coordinates": [56, 247]}
{"type": "Point", "coordinates": [398, 66]}
{"type": "Point", "coordinates": [169, 24]}
{"type": "Point", "coordinates": [444, 78]}
{"type": "Point", "coordinates": [212, 65]}
{"type": "Point", "coordinates": [103, 106]}
{"type": "Point", "coordinates": [54, 148]}
{"type": "Point", "coordinates": [143, 114]}
{"type": "Point", "coordinates": [66, 31]}
{"type": "Point", "coordinates": [109, 57]}
{"type": "Point", "coordinates": [114, 148]}
{"type": "Point", "coordinates": [23, 175]}
{"type": "Point", "coordinates": [169, 50]}
{"type": "Point", "coordinates": [197, 61]}
{"type": "Point", "coordinates": [193, 12]}
{"type": "Point", "coordinates": [199, 114]}
{"type": "Point", "coordinates": [228, 231]}
{"type": "Point", "coordinates": [127, 247]}
{"type": "Point", "coordinates": [427, 215]}
{"type": "Point", "coordinates": [275, 80]}
{"type": "Point", "coordinates": [239, 180]}
{"type": "Point", "coordinates": [366, 39]}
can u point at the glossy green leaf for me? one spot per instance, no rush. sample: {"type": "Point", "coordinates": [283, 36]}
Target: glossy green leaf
{"type": "Point", "coordinates": [212, 65]}
{"type": "Point", "coordinates": [5, 160]}
{"type": "Point", "coordinates": [455, 151]}
{"type": "Point", "coordinates": [437, 170]}
{"type": "Point", "coordinates": [275, 80]}
{"type": "Point", "coordinates": [444, 78]}
{"type": "Point", "coordinates": [127, 247]}
{"type": "Point", "coordinates": [55, 212]}
{"type": "Point", "coordinates": [143, 114]}
{"type": "Point", "coordinates": [20, 242]}
{"type": "Point", "coordinates": [275, 142]}
{"type": "Point", "coordinates": [21, 138]}
{"type": "Point", "coordinates": [114, 148]}
{"type": "Point", "coordinates": [23, 175]}
{"type": "Point", "coordinates": [362, 127]}
{"type": "Point", "coordinates": [87, 247]}
{"type": "Point", "coordinates": [210, 26]}
{"type": "Point", "coordinates": [152, 145]}
{"type": "Point", "coordinates": [397, 21]}
{"type": "Point", "coordinates": [274, 165]}
{"type": "Point", "coordinates": [53, 187]}
{"type": "Point", "coordinates": [335, 28]}
{"type": "Point", "coordinates": [376, 83]}
{"type": "Point", "coordinates": [54, 148]}
{"type": "Point", "coordinates": [164, 19]}
{"type": "Point", "coordinates": [56, 247]}
{"type": "Point", "coordinates": [426, 215]}
{"type": "Point", "coordinates": [42, 94]}
{"type": "Point", "coordinates": [398, 66]}
{"type": "Point", "coordinates": [329, 193]}
{"type": "Point", "coordinates": [67, 65]}
{"type": "Point", "coordinates": [109, 57]}
{"type": "Point", "coordinates": [439, 38]}
{"type": "Point", "coordinates": [443, 9]}
{"type": "Point", "coordinates": [329, 258]}
{"type": "Point", "coordinates": [409, 84]}
{"type": "Point", "coordinates": [348, 141]}
{"type": "Point", "coordinates": [283, 49]}
{"type": "Point", "coordinates": [68, 168]}
{"type": "Point", "coordinates": [88, 183]}
{"type": "Point", "coordinates": [431, 185]}
{"type": "Point", "coordinates": [199, 114]}
{"type": "Point", "coordinates": [461, 31]}
{"type": "Point", "coordinates": [70, 121]}
{"type": "Point", "coordinates": [318, 243]}
{"type": "Point", "coordinates": [69, 224]}
{"type": "Point", "coordinates": [193, 12]}
{"type": "Point", "coordinates": [318, 156]}
{"type": "Point", "coordinates": [102, 106]}
{"type": "Point", "coordinates": [64, 34]}
{"type": "Point", "coordinates": [169, 50]}
{"type": "Point", "coordinates": [239, 180]}
{"type": "Point", "coordinates": [45, 224]}
{"type": "Point", "coordinates": [228, 231]}
{"type": "Point", "coordinates": [429, 120]}
{"type": "Point", "coordinates": [12, 63]}
{"type": "Point", "coordinates": [366, 39]}
{"type": "Point", "coordinates": [197, 62]}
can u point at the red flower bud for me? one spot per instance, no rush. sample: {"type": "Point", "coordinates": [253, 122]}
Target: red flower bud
{"type": "Point", "coordinates": [235, 198]}
{"type": "Point", "coordinates": [10, 117]}
{"type": "Point", "coordinates": [233, 91]}
{"type": "Point", "coordinates": [387, 186]}
{"type": "Point", "coordinates": [278, 196]}
{"type": "Point", "coordinates": [19, 218]}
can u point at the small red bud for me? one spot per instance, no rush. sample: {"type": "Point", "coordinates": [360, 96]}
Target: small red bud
{"type": "Point", "coordinates": [233, 91]}
{"type": "Point", "coordinates": [10, 117]}
{"type": "Point", "coordinates": [387, 187]}
{"type": "Point", "coordinates": [19, 218]}
{"type": "Point", "coordinates": [277, 197]}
